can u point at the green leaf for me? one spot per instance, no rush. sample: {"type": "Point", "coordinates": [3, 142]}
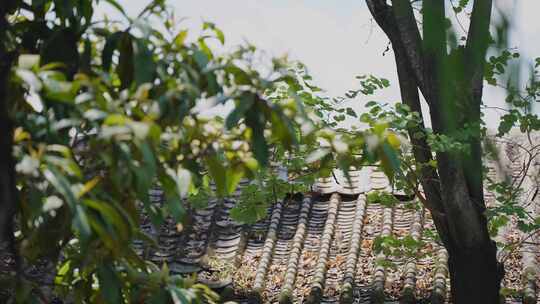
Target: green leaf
{"type": "Point", "coordinates": [252, 205]}
{"type": "Point", "coordinates": [109, 284]}
{"type": "Point", "coordinates": [217, 171]}
{"type": "Point", "coordinates": [62, 271]}
{"type": "Point", "coordinates": [61, 184]}
{"type": "Point", "coordinates": [260, 147]}
{"type": "Point", "coordinates": [216, 30]}
{"type": "Point", "coordinates": [111, 215]}
{"type": "Point", "coordinates": [110, 45]}
{"type": "Point", "coordinates": [507, 123]}
{"type": "Point", "coordinates": [389, 161]}
{"type": "Point", "coordinates": [240, 76]}
{"type": "Point", "coordinates": [62, 91]}
{"type": "Point", "coordinates": [176, 208]}
{"type": "Point", "coordinates": [145, 68]}
{"type": "Point", "coordinates": [255, 120]}
{"type": "Point", "coordinates": [351, 112]}
{"type": "Point", "coordinates": [233, 177]}
{"type": "Point", "coordinates": [116, 119]}
{"type": "Point", "coordinates": [370, 104]}
{"type": "Point", "coordinates": [62, 47]}
{"type": "Point", "coordinates": [201, 58]}
{"type": "Point", "coordinates": [81, 223]}
{"type": "Point", "coordinates": [86, 57]}
{"type": "Point", "coordinates": [126, 68]}
{"type": "Point", "coordinates": [219, 35]}
{"type": "Point", "coordinates": [340, 117]}
{"type": "Point", "coordinates": [242, 106]}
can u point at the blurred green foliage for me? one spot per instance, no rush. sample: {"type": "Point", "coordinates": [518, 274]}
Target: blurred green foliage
{"type": "Point", "coordinates": [106, 110]}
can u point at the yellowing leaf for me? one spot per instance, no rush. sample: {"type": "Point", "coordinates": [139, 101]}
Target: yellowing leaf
{"type": "Point", "coordinates": [116, 119]}
{"type": "Point", "coordinates": [393, 140]}
{"type": "Point", "coordinates": [180, 38]}
{"type": "Point", "coordinates": [89, 185]}
{"type": "Point", "coordinates": [20, 135]}
{"type": "Point", "coordinates": [380, 128]}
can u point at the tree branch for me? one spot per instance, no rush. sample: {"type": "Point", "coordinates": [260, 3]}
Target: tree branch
{"type": "Point", "coordinates": [410, 37]}
{"type": "Point", "coordinates": [421, 150]}
{"type": "Point", "coordinates": [434, 55]}
{"type": "Point", "coordinates": [476, 47]}
{"type": "Point", "coordinates": [382, 14]}
{"type": "Point", "coordinates": [474, 58]}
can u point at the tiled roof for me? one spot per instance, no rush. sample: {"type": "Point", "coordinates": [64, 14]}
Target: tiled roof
{"type": "Point", "coordinates": [319, 247]}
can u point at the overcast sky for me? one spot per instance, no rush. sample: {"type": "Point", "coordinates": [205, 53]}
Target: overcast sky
{"type": "Point", "coordinates": [337, 40]}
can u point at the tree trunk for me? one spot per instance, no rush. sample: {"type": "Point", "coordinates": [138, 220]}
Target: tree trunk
{"type": "Point", "coordinates": [454, 191]}
{"type": "Point", "coordinates": [475, 274]}
{"type": "Point", "coordinates": [7, 172]}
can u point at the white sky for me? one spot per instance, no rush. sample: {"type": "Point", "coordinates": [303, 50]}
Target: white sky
{"type": "Point", "coordinates": [336, 41]}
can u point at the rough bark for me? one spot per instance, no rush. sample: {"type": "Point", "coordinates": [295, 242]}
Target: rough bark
{"type": "Point", "coordinates": [408, 83]}
{"type": "Point", "coordinates": [421, 150]}
{"type": "Point", "coordinates": [475, 274]}
{"type": "Point", "coordinates": [475, 50]}
{"type": "Point", "coordinates": [7, 169]}
{"type": "Point", "coordinates": [8, 190]}
{"type": "Point", "coordinates": [454, 191]}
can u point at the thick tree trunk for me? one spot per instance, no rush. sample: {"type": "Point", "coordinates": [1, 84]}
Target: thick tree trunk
{"type": "Point", "coordinates": [475, 274]}
{"type": "Point", "coordinates": [7, 172]}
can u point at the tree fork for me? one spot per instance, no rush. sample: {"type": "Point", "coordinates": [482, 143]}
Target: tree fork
{"type": "Point", "coordinates": [421, 150]}
{"type": "Point", "coordinates": [384, 16]}
{"type": "Point", "coordinates": [474, 270]}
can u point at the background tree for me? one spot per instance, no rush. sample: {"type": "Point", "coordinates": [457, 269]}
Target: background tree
{"type": "Point", "coordinates": [450, 76]}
